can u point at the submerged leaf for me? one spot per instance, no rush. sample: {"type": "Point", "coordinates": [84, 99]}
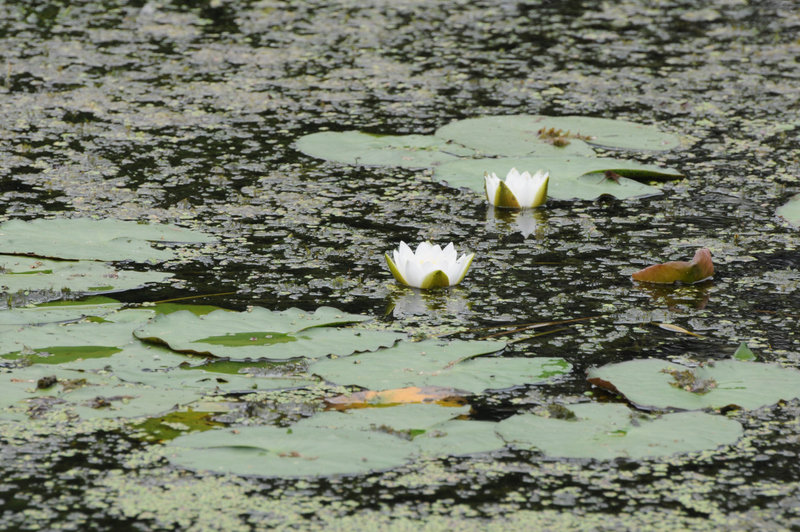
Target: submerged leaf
{"type": "Point", "coordinates": [743, 352]}
{"type": "Point", "coordinates": [700, 268]}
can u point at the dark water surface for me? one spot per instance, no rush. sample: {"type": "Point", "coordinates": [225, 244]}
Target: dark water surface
{"type": "Point", "coordinates": [186, 112]}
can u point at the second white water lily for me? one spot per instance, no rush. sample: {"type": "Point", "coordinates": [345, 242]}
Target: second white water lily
{"type": "Point", "coordinates": [518, 190]}
{"type": "Point", "coordinates": [429, 266]}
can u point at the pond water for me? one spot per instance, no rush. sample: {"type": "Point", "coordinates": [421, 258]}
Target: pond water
{"type": "Point", "coordinates": [187, 113]}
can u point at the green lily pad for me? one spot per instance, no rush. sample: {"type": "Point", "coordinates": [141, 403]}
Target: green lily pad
{"type": "Point", "coordinates": [607, 431]}
{"type": "Point", "coordinates": [85, 238]}
{"type": "Point", "coordinates": [410, 419]}
{"type": "Point", "coordinates": [161, 368]}
{"type": "Point", "coordinates": [60, 354]}
{"type": "Point", "coordinates": [294, 452]}
{"type": "Point", "coordinates": [174, 424]}
{"type": "Point", "coordinates": [652, 383]}
{"type": "Point", "coordinates": [25, 273]}
{"type": "Point", "coordinates": [520, 135]}
{"type": "Point", "coordinates": [355, 147]}
{"type": "Point", "coordinates": [458, 437]}
{"type": "Point", "coordinates": [78, 336]}
{"type": "Point", "coordinates": [260, 333]}
{"type": "Point", "coordinates": [433, 429]}
{"type": "Point", "coordinates": [570, 177]}
{"type": "Point", "coordinates": [90, 395]}
{"type": "Point", "coordinates": [437, 363]}
{"type": "Point", "coordinates": [61, 311]}
{"type": "Point", "coordinates": [169, 308]}
{"type": "Point", "coordinates": [790, 210]}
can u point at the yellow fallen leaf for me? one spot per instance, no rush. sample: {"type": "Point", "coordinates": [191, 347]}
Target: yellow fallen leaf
{"type": "Point", "coordinates": [413, 394]}
{"type": "Point", "coordinates": [675, 328]}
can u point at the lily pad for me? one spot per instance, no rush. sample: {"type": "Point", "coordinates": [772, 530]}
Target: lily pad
{"type": "Point", "coordinates": [261, 333]}
{"type": "Point", "coordinates": [790, 210]}
{"type": "Point", "coordinates": [161, 368]}
{"type": "Point", "coordinates": [437, 363]}
{"type": "Point", "coordinates": [25, 273]}
{"type": "Point", "coordinates": [607, 431]}
{"type": "Point", "coordinates": [458, 437]}
{"type": "Point", "coordinates": [90, 395]}
{"type": "Point", "coordinates": [570, 177]}
{"type": "Point", "coordinates": [85, 238]}
{"type": "Point", "coordinates": [433, 429]}
{"type": "Point", "coordinates": [172, 425]}
{"type": "Point", "coordinates": [413, 418]}
{"type": "Point", "coordinates": [658, 384]}
{"type": "Point", "coordinates": [294, 452]}
{"type": "Point", "coordinates": [61, 311]}
{"type": "Point", "coordinates": [75, 335]}
{"type": "Point", "coordinates": [355, 147]}
{"type": "Point", "coordinates": [520, 135]}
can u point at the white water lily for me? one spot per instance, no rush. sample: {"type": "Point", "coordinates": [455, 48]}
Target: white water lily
{"type": "Point", "coordinates": [429, 266]}
{"type": "Point", "coordinates": [518, 190]}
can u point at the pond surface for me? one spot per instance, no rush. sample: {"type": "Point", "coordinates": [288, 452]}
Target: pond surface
{"type": "Point", "coordinates": [187, 113]}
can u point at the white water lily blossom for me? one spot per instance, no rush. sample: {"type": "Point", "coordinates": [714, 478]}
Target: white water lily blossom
{"type": "Point", "coordinates": [429, 266]}
{"type": "Point", "coordinates": [518, 190]}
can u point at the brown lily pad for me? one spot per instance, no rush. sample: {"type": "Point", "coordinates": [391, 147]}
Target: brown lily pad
{"type": "Point", "coordinates": [698, 269]}
{"type": "Point", "coordinates": [414, 394]}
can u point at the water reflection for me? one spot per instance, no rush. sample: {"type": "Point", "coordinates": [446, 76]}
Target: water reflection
{"type": "Point", "coordinates": [405, 302]}
{"type": "Point", "coordinates": [694, 296]}
{"type": "Point", "coordinates": [526, 221]}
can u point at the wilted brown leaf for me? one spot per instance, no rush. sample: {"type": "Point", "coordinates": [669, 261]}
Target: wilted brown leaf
{"type": "Point", "coordinates": [699, 268]}
{"type": "Point", "coordinates": [414, 394]}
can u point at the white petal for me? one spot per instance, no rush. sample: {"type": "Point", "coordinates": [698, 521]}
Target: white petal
{"type": "Point", "coordinates": [491, 183]}
{"type": "Point", "coordinates": [414, 273]}
{"type": "Point", "coordinates": [449, 253]}
{"type": "Point", "coordinates": [463, 265]}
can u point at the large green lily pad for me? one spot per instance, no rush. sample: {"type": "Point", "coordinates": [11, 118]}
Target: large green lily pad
{"type": "Point", "coordinates": [438, 363]}
{"type": "Point", "coordinates": [434, 429]}
{"type": "Point", "coordinates": [570, 177]}
{"type": "Point", "coordinates": [60, 311]}
{"type": "Point", "coordinates": [90, 395]}
{"type": "Point", "coordinates": [410, 419]}
{"type": "Point", "coordinates": [335, 442]}
{"type": "Point", "coordinates": [458, 437]}
{"type": "Point", "coordinates": [159, 367]}
{"type": "Point", "coordinates": [520, 135]}
{"type": "Point", "coordinates": [355, 147]}
{"type": "Point", "coordinates": [658, 384]}
{"type": "Point", "coordinates": [790, 210]}
{"type": "Point", "coordinates": [26, 273]}
{"type": "Point", "coordinates": [113, 334]}
{"type": "Point", "coordinates": [293, 452]}
{"type": "Point", "coordinates": [261, 333]}
{"type": "Point", "coordinates": [606, 431]}
{"type": "Point", "coordinates": [85, 238]}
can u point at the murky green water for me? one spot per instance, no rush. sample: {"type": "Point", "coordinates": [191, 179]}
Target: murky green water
{"type": "Point", "coordinates": [186, 112]}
